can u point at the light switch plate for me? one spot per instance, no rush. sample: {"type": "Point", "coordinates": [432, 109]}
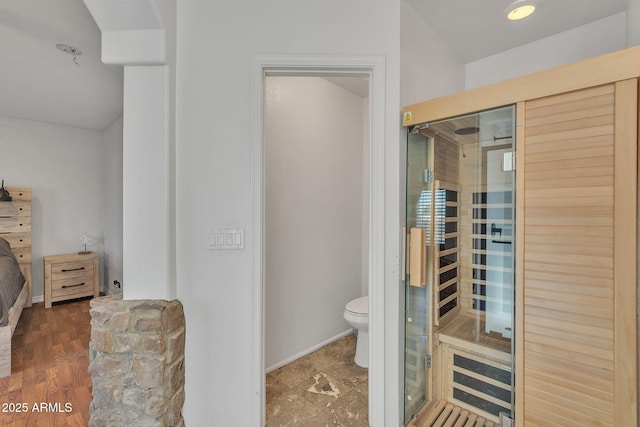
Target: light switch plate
{"type": "Point", "coordinates": [225, 239]}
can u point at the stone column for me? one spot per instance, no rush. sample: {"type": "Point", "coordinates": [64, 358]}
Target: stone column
{"type": "Point", "coordinates": [137, 362]}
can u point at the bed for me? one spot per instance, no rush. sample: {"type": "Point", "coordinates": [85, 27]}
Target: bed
{"type": "Point", "coordinates": [15, 248]}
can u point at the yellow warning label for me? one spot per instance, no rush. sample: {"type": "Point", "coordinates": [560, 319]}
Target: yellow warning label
{"type": "Point", "coordinates": [407, 117]}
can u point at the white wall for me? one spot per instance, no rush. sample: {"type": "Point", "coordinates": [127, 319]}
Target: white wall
{"type": "Point", "coordinates": [64, 167]}
{"type": "Point", "coordinates": [633, 23]}
{"type": "Point", "coordinates": [597, 38]}
{"type": "Point", "coordinates": [112, 192]}
{"type": "Point", "coordinates": [216, 41]}
{"type": "Point", "coordinates": [313, 213]}
{"type": "Point", "coordinates": [429, 68]}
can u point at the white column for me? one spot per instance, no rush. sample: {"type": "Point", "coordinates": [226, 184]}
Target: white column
{"type": "Point", "coordinates": [146, 185]}
{"type": "Point", "coordinates": [135, 37]}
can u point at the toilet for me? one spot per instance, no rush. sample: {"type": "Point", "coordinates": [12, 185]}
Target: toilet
{"type": "Point", "coordinates": [356, 313]}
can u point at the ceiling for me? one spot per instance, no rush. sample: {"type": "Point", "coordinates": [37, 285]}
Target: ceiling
{"type": "Point", "coordinates": [41, 83]}
{"type": "Point", "coordinates": [477, 29]}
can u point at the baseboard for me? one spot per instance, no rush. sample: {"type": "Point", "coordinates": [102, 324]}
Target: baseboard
{"type": "Point", "coordinates": [111, 291]}
{"type": "Point", "coordinates": [308, 351]}
{"type": "Point", "coordinates": [37, 298]}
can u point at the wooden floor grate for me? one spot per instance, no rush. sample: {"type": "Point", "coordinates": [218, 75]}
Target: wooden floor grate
{"type": "Point", "coordinates": [445, 414]}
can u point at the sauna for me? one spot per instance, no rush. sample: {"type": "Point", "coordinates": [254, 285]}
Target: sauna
{"type": "Point", "coordinates": [521, 250]}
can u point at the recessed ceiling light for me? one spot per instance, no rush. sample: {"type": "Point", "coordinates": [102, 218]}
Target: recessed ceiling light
{"type": "Point", "coordinates": [520, 9]}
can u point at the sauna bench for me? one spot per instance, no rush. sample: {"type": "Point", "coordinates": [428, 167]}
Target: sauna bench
{"type": "Point", "coordinates": [467, 333]}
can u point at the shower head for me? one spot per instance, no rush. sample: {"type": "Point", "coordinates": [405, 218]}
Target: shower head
{"type": "Point", "coordinates": [467, 131]}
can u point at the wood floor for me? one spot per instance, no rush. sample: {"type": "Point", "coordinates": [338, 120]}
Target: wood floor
{"type": "Point", "coordinates": [49, 385]}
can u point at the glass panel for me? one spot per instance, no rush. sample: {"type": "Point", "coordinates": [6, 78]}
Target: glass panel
{"type": "Point", "coordinates": [420, 201]}
{"type": "Point", "coordinates": [467, 299]}
{"type": "Point", "coordinates": [498, 259]}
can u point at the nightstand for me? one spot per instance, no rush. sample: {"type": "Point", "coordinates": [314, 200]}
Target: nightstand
{"type": "Point", "coordinates": [71, 276]}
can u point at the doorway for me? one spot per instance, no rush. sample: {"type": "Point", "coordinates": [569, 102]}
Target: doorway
{"type": "Point", "coordinates": [373, 69]}
{"type": "Point", "coordinates": [316, 248]}
{"type": "Point", "coordinates": [315, 211]}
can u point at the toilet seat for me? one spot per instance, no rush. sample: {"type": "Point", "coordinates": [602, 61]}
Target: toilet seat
{"type": "Point", "coordinates": [358, 307]}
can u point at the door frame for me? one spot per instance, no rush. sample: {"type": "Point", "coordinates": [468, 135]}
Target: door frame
{"type": "Point", "coordinates": [372, 67]}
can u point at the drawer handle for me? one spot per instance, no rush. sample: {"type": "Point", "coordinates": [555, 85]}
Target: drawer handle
{"type": "Point", "coordinates": [71, 269]}
{"type": "Point", "coordinates": [71, 286]}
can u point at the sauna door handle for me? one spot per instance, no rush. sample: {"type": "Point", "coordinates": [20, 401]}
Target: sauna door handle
{"type": "Point", "coordinates": [417, 257]}
{"type": "Point", "coordinates": [502, 242]}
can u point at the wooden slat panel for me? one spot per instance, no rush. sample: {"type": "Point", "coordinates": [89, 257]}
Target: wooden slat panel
{"type": "Point", "coordinates": [569, 144]}
{"type": "Point", "coordinates": [553, 104]}
{"type": "Point", "coordinates": [557, 257]}
{"type": "Point", "coordinates": [569, 259]}
{"type": "Point", "coordinates": [595, 247]}
{"type": "Point", "coordinates": [581, 122]}
{"type": "Point", "coordinates": [552, 293]}
{"type": "Point", "coordinates": [580, 132]}
{"type": "Point", "coordinates": [595, 107]}
{"type": "Point", "coordinates": [592, 380]}
{"type": "Point", "coordinates": [625, 247]}
{"type": "Point", "coordinates": [573, 396]}
{"type": "Point", "coordinates": [580, 153]}
{"type": "Point", "coordinates": [569, 307]}
{"type": "Point", "coordinates": [568, 230]}
{"type": "Point", "coordinates": [446, 160]}
{"type": "Point", "coordinates": [562, 316]}
{"type": "Point", "coordinates": [564, 411]}
{"type": "Point", "coordinates": [579, 335]}
{"type": "Point", "coordinates": [572, 288]}
{"type": "Point", "coordinates": [553, 165]}
{"type": "Point", "coordinates": [588, 332]}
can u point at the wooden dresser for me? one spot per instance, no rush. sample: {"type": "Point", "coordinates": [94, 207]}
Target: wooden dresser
{"type": "Point", "coordinates": [70, 276]}
{"type": "Point", "coordinates": [15, 227]}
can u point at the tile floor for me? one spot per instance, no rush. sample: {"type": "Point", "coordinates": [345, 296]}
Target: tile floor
{"type": "Point", "coordinates": [325, 388]}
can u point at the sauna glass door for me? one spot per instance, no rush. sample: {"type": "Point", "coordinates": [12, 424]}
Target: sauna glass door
{"type": "Point", "coordinates": [459, 304]}
{"type": "Point", "coordinates": [419, 227]}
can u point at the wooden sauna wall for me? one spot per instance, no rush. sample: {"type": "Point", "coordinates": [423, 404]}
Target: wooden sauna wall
{"type": "Point", "coordinates": [447, 160]}
{"type": "Point", "coordinates": [447, 177]}
{"type": "Point", "coordinates": [579, 186]}
{"type": "Point", "coordinates": [470, 182]}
